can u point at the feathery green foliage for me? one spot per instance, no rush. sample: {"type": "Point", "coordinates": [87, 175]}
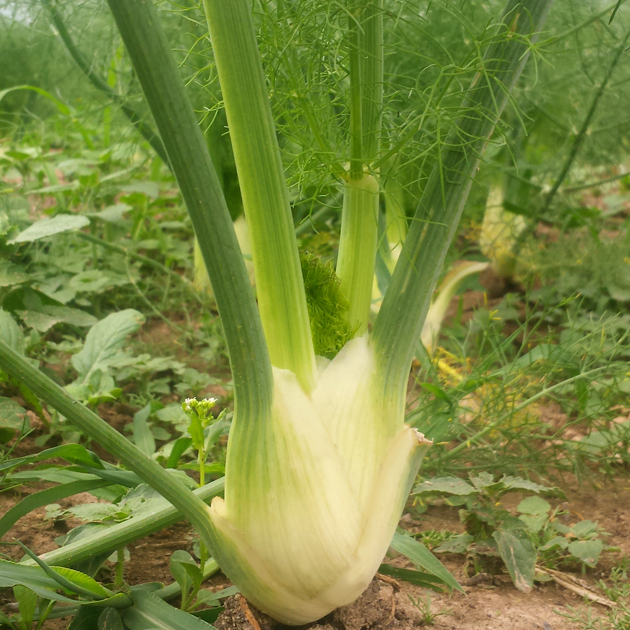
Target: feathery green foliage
{"type": "Point", "coordinates": [327, 306]}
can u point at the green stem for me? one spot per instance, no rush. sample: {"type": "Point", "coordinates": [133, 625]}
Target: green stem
{"type": "Point", "coordinates": [357, 248]}
{"type": "Point", "coordinates": [279, 284]}
{"type": "Point", "coordinates": [359, 219]}
{"type": "Point", "coordinates": [188, 154]}
{"type": "Point", "coordinates": [113, 442]}
{"type": "Point", "coordinates": [356, 105]}
{"type": "Point", "coordinates": [584, 24]}
{"type": "Point", "coordinates": [123, 534]}
{"type": "Point", "coordinates": [601, 182]}
{"type": "Point", "coordinates": [201, 458]}
{"type": "Point", "coordinates": [372, 52]}
{"type": "Point", "coordinates": [406, 303]}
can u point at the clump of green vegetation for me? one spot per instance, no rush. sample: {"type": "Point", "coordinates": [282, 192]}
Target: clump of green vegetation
{"type": "Point", "coordinates": [527, 542]}
{"type": "Point", "coordinates": [327, 306]}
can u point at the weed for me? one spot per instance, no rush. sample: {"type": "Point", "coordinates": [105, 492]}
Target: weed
{"type": "Point", "coordinates": [427, 616]}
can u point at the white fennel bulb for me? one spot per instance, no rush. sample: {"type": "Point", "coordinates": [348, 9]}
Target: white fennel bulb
{"type": "Point", "coordinates": [315, 491]}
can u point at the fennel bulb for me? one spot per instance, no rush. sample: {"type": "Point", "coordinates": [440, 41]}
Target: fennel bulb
{"type": "Point", "coordinates": [314, 492]}
{"type": "Point", "coordinates": [499, 232]}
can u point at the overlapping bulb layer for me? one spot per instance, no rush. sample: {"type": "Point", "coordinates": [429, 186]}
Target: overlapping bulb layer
{"type": "Point", "coordinates": [315, 490]}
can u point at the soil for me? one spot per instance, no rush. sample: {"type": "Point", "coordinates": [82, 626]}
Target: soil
{"type": "Point", "coordinates": [388, 607]}
{"type": "Point", "coordinates": [489, 602]}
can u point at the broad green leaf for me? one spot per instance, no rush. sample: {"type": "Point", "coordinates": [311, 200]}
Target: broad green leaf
{"type": "Point", "coordinates": [150, 612]}
{"type": "Point", "coordinates": [194, 573]}
{"type": "Point", "coordinates": [421, 556]}
{"type": "Point", "coordinates": [556, 541]}
{"type": "Point", "coordinates": [44, 319]}
{"type": "Point", "coordinates": [583, 529]}
{"type": "Point", "coordinates": [534, 513]}
{"type": "Point", "coordinates": [180, 446]}
{"type": "Point", "coordinates": [104, 340]}
{"type": "Point", "coordinates": [27, 603]}
{"type": "Point", "coordinates": [619, 292]}
{"type": "Point", "coordinates": [172, 413]}
{"type": "Point", "coordinates": [458, 544]}
{"type": "Point", "coordinates": [533, 522]}
{"type": "Point", "coordinates": [117, 600]}
{"type": "Point", "coordinates": [445, 485]}
{"type": "Point", "coordinates": [49, 315]}
{"type": "Point", "coordinates": [533, 506]}
{"type": "Point", "coordinates": [148, 188]}
{"type": "Point", "coordinates": [515, 483]}
{"type": "Point", "coordinates": [418, 578]}
{"type": "Point", "coordinates": [587, 551]}
{"type": "Point", "coordinates": [142, 436]}
{"type": "Point", "coordinates": [180, 560]}
{"type": "Point", "coordinates": [519, 557]}
{"type": "Point", "coordinates": [112, 214]}
{"type": "Point", "coordinates": [209, 615]}
{"type": "Point", "coordinates": [12, 574]}
{"type": "Point", "coordinates": [195, 430]}
{"type": "Point", "coordinates": [215, 431]}
{"type": "Point", "coordinates": [11, 333]}
{"type": "Point", "coordinates": [44, 497]}
{"type": "Point", "coordinates": [438, 392]}
{"type": "Point", "coordinates": [55, 474]}
{"type": "Point", "coordinates": [10, 275]}
{"type": "Point", "coordinates": [71, 580]}
{"type": "Point", "coordinates": [50, 227]}
{"type": "Point", "coordinates": [96, 281]}
{"type": "Point", "coordinates": [86, 619]}
{"type": "Point", "coordinates": [110, 619]}
{"type": "Point", "coordinates": [482, 480]}
{"type": "Point", "coordinates": [13, 419]}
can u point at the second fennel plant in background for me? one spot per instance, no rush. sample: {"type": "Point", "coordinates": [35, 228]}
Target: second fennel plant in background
{"type": "Point", "coordinates": [320, 461]}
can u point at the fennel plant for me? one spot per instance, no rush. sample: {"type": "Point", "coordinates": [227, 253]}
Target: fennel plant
{"type": "Point", "coordinates": [320, 461]}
